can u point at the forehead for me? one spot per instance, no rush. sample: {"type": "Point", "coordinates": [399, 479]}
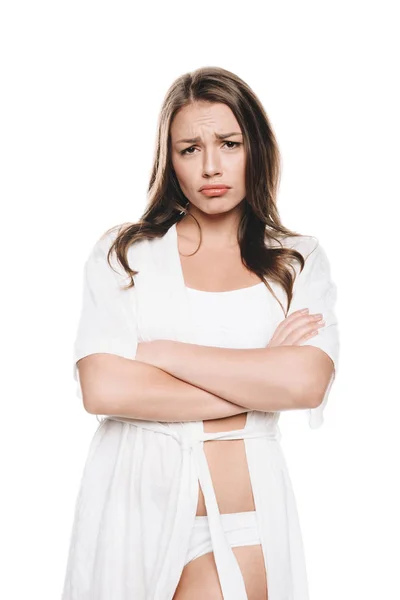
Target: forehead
{"type": "Point", "coordinates": [194, 117]}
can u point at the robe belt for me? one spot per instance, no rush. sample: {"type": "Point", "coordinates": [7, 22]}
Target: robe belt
{"type": "Point", "coordinates": [191, 441]}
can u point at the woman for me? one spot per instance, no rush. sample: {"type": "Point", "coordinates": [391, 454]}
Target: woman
{"type": "Point", "coordinates": [227, 319]}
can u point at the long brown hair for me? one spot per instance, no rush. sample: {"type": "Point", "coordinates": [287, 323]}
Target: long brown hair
{"type": "Point", "coordinates": [260, 221]}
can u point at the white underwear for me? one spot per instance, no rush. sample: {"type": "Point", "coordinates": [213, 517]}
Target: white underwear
{"type": "Point", "coordinates": [241, 529]}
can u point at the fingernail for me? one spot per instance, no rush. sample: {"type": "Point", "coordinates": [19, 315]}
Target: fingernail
{"type": "Point", "coordinates": [304, 310]}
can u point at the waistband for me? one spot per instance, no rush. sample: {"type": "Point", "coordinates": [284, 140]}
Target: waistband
{"type": "Point", "coordinates": [191, 433]}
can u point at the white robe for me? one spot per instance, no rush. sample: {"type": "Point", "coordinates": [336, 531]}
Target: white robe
{"type": "Point", "coordinates": [138, 495]}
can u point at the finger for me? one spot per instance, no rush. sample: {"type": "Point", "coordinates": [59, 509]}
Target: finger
{"type": "Point", "coordinates": [299, 320]}
{"type": "Point", "coordinates": [306, 337]}
{"type": "Point", "coordinates": [299, 334]}
{"type": "Point", "coordinates": [297, 313]}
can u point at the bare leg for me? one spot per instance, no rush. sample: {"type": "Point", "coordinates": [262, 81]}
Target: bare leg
{"type": "Point", "coordinates": [199, 578]}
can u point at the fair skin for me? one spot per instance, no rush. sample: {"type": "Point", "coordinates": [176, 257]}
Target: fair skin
{"type": "Point", "coordinates": [174, 381]}
{"type": "Point", "coordinates": [229, 373]}
{"type": "Point", "coordinates": [265, 379]}
{"type": "Point", "coordinates": [206, 162]}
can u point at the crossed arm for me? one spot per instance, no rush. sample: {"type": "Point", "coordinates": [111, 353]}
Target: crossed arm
{"type": "Point", "coordinates": [266, 379]}
{"type": "Point", "coordinates": [176, 381]}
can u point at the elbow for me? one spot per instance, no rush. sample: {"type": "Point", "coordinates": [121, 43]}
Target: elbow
{"type": "Point", "coordinates": [100, 402]}
{"type": "Point", "coordinates": [92, 406]}
{"type": "Point", "coordinates": [314, 391]}
{"type": "Point", "coordinates": [310, 395]}
{"type": "Point", "coordinates": [109, 384]}
{"type": "Point", "coordinates": [92, 401]}
{"type": "Point", "coordinates": [315, 397]}
{"type": "Point", "coordinates": [94, 383]}
{"type": "Point", "coordinates": [317, 378]}
{"type": "Point", "coordinates": [305, 397]}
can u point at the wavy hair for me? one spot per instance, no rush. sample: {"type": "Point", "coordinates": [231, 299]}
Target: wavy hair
{"type": "Point", "coordinates": [260, 222]}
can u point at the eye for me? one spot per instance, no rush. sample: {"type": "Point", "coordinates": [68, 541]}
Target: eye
{"type": "Point", "coordinates": [234, 143]}
{"type": "Point", "coordinates": [186, 151]}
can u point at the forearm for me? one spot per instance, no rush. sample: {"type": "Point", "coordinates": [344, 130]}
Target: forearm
{"type": "Point", "coordinates": [266, 379]}
{"type": "Point", "coordinates": [137, 390]}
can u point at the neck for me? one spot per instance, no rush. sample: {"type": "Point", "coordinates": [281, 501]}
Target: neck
{"type": "Point", "coordinates": [217, 231]}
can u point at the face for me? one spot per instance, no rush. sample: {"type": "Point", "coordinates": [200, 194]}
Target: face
{"type": "Point", "coordinates": [208, 160]}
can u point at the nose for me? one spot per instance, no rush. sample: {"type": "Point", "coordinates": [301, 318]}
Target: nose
{"type": "Point", "coordinates": [212, 163]}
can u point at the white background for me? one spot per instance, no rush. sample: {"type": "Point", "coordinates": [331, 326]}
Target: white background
{"type": "Point", "coordinates": [82, 84]}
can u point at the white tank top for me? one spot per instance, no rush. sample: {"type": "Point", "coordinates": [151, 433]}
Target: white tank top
{"type": "Point", "coordinates": [233, 319]}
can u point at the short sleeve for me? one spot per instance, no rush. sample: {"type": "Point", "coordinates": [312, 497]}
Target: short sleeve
{"type": "Point", "coordinates": [314, 289]}
{"type": "Point", "coordinates": [107, 321]}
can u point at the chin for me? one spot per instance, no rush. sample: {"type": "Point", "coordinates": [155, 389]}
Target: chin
{"type": "Point", "coordinates": [215, 210]}
{"type": "Point", "coordinates": [217, 205]}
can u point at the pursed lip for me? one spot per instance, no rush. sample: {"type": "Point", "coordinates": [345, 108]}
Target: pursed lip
{"type": "Point", "coordinates": [214, 187]}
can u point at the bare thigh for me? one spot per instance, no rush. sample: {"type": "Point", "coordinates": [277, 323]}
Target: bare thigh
{"type": "Point", "coordinates": [199, 578]}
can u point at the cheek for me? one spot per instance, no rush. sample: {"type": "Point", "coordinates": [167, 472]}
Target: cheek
{"type": "Point", "coordinates": [242, 160]}
{"type": "Point", "coordinates": [237, 161]}
{"type": "Point", "coordinates": [238, 169]}
{"type": "Point", "coordinates": [185, 173]}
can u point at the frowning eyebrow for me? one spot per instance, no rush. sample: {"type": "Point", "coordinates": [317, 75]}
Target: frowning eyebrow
{"type": "Point", "coordinates": [219, 136]}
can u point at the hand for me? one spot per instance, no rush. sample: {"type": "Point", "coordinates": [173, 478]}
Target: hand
{"type": "Point", "coordinates": [296, 328]}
